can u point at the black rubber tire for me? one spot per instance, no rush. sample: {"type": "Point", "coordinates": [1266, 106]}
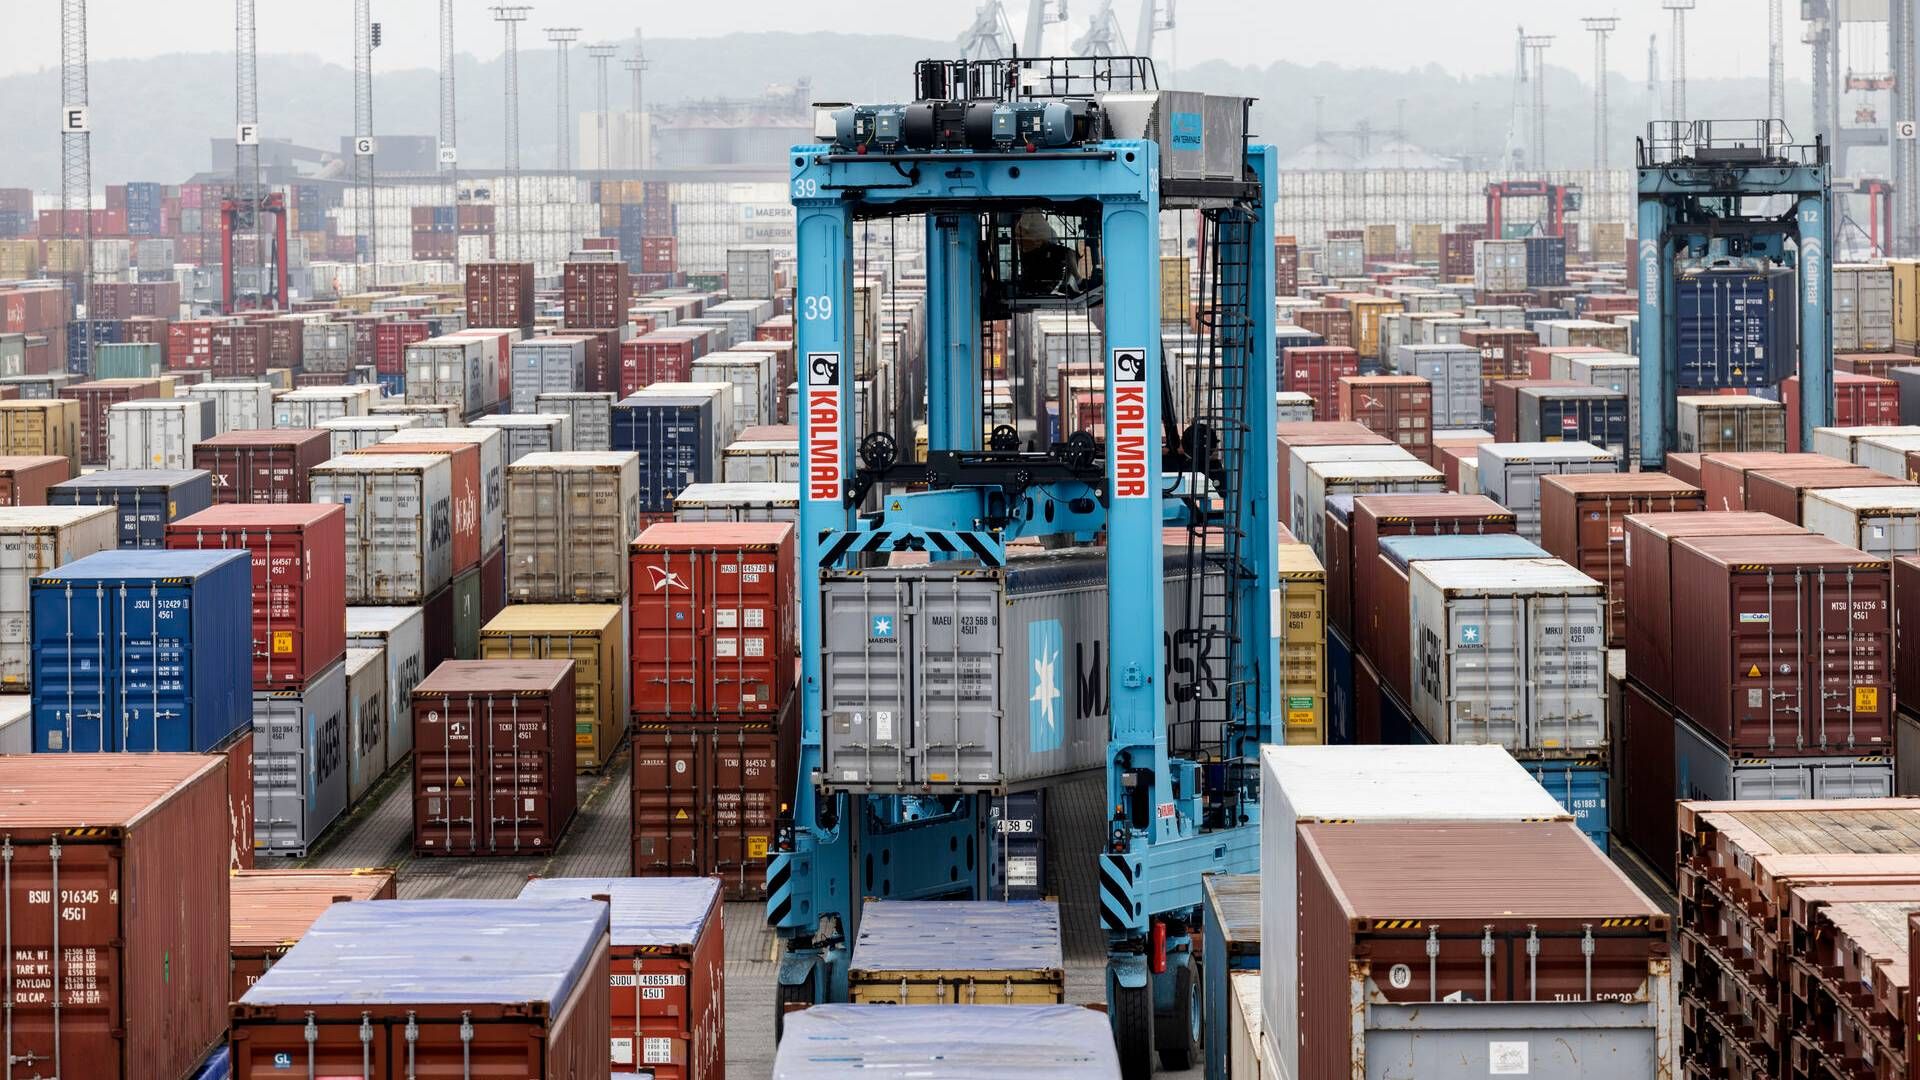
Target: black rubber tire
{"type": "Point", "coordinates": [785, 995]}
{"type": "Point", "coordinates": [1177, 1034]}
{"type": "Point", "coordinates": [1133, 1030]}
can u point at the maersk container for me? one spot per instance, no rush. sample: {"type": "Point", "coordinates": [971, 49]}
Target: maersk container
{"type": "Point", "coordinates": [146, 500]}
{"type": "Point", "coordinates": [1386, 477]}
{"type": "Point", "coordinates": [678, 430]}
{"type": "Point", "coordinates": [1509, 474]}
{"type": "Point", "coordinates": [1454, 371]}
{"type": "Point", "coordinates": [367, 718]}
{"type": "Point", "coordinates": [237, 406]}
{"type": "Point", "coordinates": [545, 365]}
{"type": "Point", "coordinates": [399, 523]}
{"type": "Point", "coordinates": [300, 765]}
{"type": "Point", "coordinates": [570, 519]}
{"type": "Point", "coordinates": [34, 540]}
{"type": "Point", "coordinates": [1883, 521]}
{"type": "Point", "coordinates": [137, 651]}
{"type": "Point", "coordinates": [1703, 769]}
{"type": "Point", "coordinates": [400, 633]}
{"type": "Point", "coordinates": [1511, 652]}
{"type": "Point", "coordinates": [1058, 1042]}
{"type": "Point", "coordinates": [1586, 414]}
{"type": "Point", "coordinates": [345, 434]}
{"type": "Point", "coordinates": [1737, 328]}
{"type": "Point", "coordinates": [530, 433]}
{"type": "Point", "coordinates": [738, 502]}
{"type": "Point", "coordinates": [493, 472]}
{"type": "Point", "coordinates": [589, 417]}
{"type": "Point", "coordinates": [306, 407]}
{"type": "Point", "coordinates": [751, 376]}
{"type": "Point", "coordinates": [157, 434]}
{"type": "Point", "coordinates": [1358, 784]}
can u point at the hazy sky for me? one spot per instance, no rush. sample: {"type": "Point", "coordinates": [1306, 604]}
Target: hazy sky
{"type": "Point", "coordinates": [1469, 36]}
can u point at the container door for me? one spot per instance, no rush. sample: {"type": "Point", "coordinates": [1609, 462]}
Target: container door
{"type": "Point", "coordinates": [75, 708]}
{"type": "Point", "coordinates": [144, 512]}
{"type": "Point", "coordinates": [153, 632]}
{"type": "Point", "coordinates": [520, 774]}
{"type": "Point", "coordinates": [1486, 669]}
{"type": "Point", "coordinates": [867, 697]}
{"type": "Point", "coordinates": [1302, 692]}
{"type": "Point", "coordinates": [744, 795]}
{"type": "Point", "coordinates": [1766, 780]}
{"type": "Point", "coordinates": [79, 957]}
{"type": "Point", "coordinates": [668, 784]}
{"type": "Point", "coordinates": [1849, 661]}
{"type": "Point", "coordinates": [956, 708]}
{"type": "Point", "coordinates": [1850, 780]}
{"type": "Point", "coordinates": [280, 812]}
{"type": "Point", "coordinates": [1567, 676]}
{"type": "Point", "coordinates": [1767, 679]}
{"type": "Point", "coordinates": [23, 555]}
{"type": "Point", "coordinates": [401, 528]}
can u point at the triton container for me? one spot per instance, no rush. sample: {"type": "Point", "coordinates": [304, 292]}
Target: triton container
{"type": "Point", "coordinates": [593, 636]}
{"type": "Point", "coordinates": [435, 986]}
{"type": "Point", "coordinates": [299, 762]}
{"type": "Point", "coordinates": [34, 541]}
{"type": "Point", "coordinates": [958, 952]}
{"type": "Point", "coordinates": [400, 633]}
{"type": "Point", "coordinates": [399, 524]}
{"type": "Point", "coordinates": [570, 518]}
{"type": "Point", "coordinates": [1058, 1042]}
{"type": "Point", "coordinates": [493, 757]}
{"type": "Point", "coordinates": [667, 971]}
{"type": "Point", "coordinates": [136, 651]}
{"type": "Point", "coordinates": [146, 500]}
{"type": "Point", "coordinates": [706, 799]}
{"type": "Point", "coordinates": [273, 908]}
{"type": "Point", "coordinates": [273, 465]}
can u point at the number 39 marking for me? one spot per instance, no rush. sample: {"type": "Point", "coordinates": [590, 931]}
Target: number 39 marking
{"type": "Point", "coordinates": [805, 188]}
{"type": "Point", "coordinates": [818, 307]}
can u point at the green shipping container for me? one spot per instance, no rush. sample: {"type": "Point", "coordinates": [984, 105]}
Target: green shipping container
{"type": "Point", "coordinates": [133, 360]}
{"type": "Point", "coordinates": [466, 615]}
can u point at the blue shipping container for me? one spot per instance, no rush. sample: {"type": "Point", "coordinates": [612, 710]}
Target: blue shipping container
{"type": "Point", "coordinates": [1546, 261]}
{"type": "Point", "coordinates": [1340, 723]}
{"type": "Point", "coordinates": [1581, 787]}
{"type": "Point", "coordinates": [393, 386]}
{"type": "Point", "coordinates": [1017, 847]}
{"type": "Point", "coordinates": [1574, 414]}
{"type": "Point", "coordinates": [105, 332]}
{"type": "Point", "coordinates": [1535, 315]}
{"type": "Point", "coordinates": [147, 499]}
{"type": "Point", "coordinates": [1737, 328]}
{"type": "Point", "coordinates": [1230, 930]}
{"type": "Point", "coordinates": [142, 651]}
{"type": "Point", "coordinates": [676, 437]}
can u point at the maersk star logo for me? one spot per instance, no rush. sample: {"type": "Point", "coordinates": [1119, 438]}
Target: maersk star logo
{"type": "Point", "coordinates": [883, 626]}
{"type": "Point", "coordinates": [1469, 634]}
{"type": "Point", "coordinates": [1043, 703]}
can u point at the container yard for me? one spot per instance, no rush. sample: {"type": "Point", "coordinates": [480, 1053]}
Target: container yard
{"type": "Point", "coordinates": [948, 550]}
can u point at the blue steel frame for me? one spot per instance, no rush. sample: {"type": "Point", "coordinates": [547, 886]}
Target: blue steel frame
{"type": "Point", "coordinates": [1673, 200]}
{"type": "Point", "coordinates": [817, 877]}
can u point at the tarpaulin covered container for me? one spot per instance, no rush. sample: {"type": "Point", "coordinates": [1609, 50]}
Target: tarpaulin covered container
{"type": "Point", "coordinates": [594, 637]}
{"type": "Point", "coordinates": [570, 519]}
{"type": "Point", "coordinates": [668, 972]}
{"type": "Point", "coordinates": [493, 757]}
{"type": "Point", "coordinates": [528, 980]}
{"type": "Point", "coordinates": [299, 762]}
{"type": "Point", "coordinates": [298, 551]}
{"type": "Point", "coordinates": [273, 908]}
{"type": "Point", "coordinates": [130, 981]}
{"type": "Point", "coordinates": [1583, 522]}
{"type": "Point", "coordinates": [272, 465]}
{"type": "Point", "coordinates": [136, 650]}
{"type": "Point", "coordinates": [401, 633]}
{"type": "Point", "coordinates": [399, 524]}
{"type": "Point", "coordinates": [1060, 1042]}
{"type": "Point", "coordinates": [958, 952]}
{"type": "Point", "coordinates": [34, 541]}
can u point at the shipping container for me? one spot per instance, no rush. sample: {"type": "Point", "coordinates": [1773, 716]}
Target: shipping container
{"type": "Point", "coordinates": [42, 427]}
{"type": "Point", "coordinates": [1389, 645]}
{"type": "Point", "coordinates": [493, 757]}
{"type": "Point", "coordinates": [1721, 423]}
{"type": "Point", "coordinates": [706, 798]}
{"type": "Point", "coordinates": [298, 551]}
{"type": "Point", "coordinates": [1886, 453]}
{"type": "Point", "coordinates": [1783, 492]}
{"type": "Point", "coordinates": [745, 501]}
{"type": "Point", "coordinates": [1883, 521]}
{"type": "Point", "coordinates": [131, 981]}
{"type": "Point", "coordinates": [1858, 400]}
{"type": "Point", "coordinates": [492, 446]}
{"type": "Point", "coordinates": [271, 909]}
{"type": "Point", "coordinates": [500, 294]}
{"type": "Point", "coordinates": [400, 634]}
{"type": "Point", "coordinates": [464, 462]}
{"type": "Point", "coordinates": [237, 406]}
{"type": "Point", "coordinates": [345, 434]}
{"type": "Point", "coordinates": [1308, 518]}
{"type": "Point", "coordinates": [1316, 372]}
{"type": "Point", "coordinates": [1723, 477]}
{"type": "Point", "coordinates": [133, 652]}
{"type": "Point", "coordinates": [589, 417]}
{"type": "Point", "coordinates": [272, 465]}
{"type": "Point", "coordinates": [1453, 372]}
{"type": "Point", "coordinates": [1353, 608]}
{"type": "Point", "coordinates": [94, 398]}
{"type": "Point", "coordinates": [529, 433]}
{"type": "Point", "coordinates": [712, 616]}
{"type": "Point", "coordinates": [1230, 947]}
{"type": "Point", "coordinates": [957, 952]}
{"type": "Point", "coordinates": [1396, 407]}
{"type": "Point", "coordinates": [593, 636]}
{"type": "Point", "coordinates": [1580, 414]}
{"type": "Point", "coordinates": [752, 376]}
{"type": "Point", "coordinates": [146, 500]}
{"type": "Point", "coordinates": [1328, 441]}
{"type": "Point", "coordinates": [1583, 522]}
{"type": "Point", "coordinates": [546, 365]}
{"type": "Point", "coordinates": [305, 408]}
{"type": "Point", "coordinates": [299, 761]}
{"type": "Point", "coordinates": [1510, 474]}
{"type": "Point", "coordinates": [570, 519]}
{"type": "Point", "coordinates": [24, 480]}
{"type": "Point", "coordinates": [1705, 769]}
{"type": "Point", "coordinates": [679, 432]}
{"type": "Point", "coordinates": [1059, 1042]}
{"type": "Point", "coordinates": [429, 414]}
{"type": "Point", "coordinates": [667, 969]}
{"type": "Point", "coordinates": [333, 999]}
{"type": "Point", "coordinates": [399, 523]}
{"type": "Point", "coordinates": [157, 434]}
{"type": "Point", "coordinates": [1736, 328]}
{"type": "Point", "coordinates": [34, 541]}
{"type": "Point", "coordinates": [368, 714]}
{"type": "Point", "coordinates": [1844, 442]}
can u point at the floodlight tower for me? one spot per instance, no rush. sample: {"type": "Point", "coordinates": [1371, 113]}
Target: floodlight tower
{"type": "Point", "coordinates": [1536, 45]}
{"type": "Point", "coordinates": [510, 16]}
{"type": "Point", "coordinates": [449, 157]}
{"type": "Point", "coordinates": [76, 150]}
{"type": "Point", "coordinates": [1600, 27]}
{"type": "Point", "coordinates": [246, 151]}
{"type": "Point", "coordinates": [366, 37]}
{"type": "Point", "coordinates": [562, 37]}
{"type": "Point", "coordinates": [601, 54]}
{"type": "Point", "coordinates": [1679, 46]}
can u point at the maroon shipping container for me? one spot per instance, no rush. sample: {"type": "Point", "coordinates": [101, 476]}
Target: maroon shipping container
{"type": "Point", "coordinates": [1782, 492]}
{"type": "Point", "coordinates": [266, 465]}
{"type": "Point", "coordinates": [1858, 401]}
{"type": "Point", "coordinates": [298, 550]}
{"type": "Point", "coordinates": [602, 364]}
{"type": "Point", "coordinates": [1316, 371]}
{"type": "Point", "coordinates": [1874, 364]}
{"type": "Point", "coordinates": [1286, 268]}
{"type": "Point", "coordinates": [390, 341]}
{"type": "Point", "coordinates": [712, 620]}
{"type": "Point", "coordinates": [662, 356]}
{"type": "Point", "coordinates": [1723, 477]}
{"type": "Point", "coordinates": [1906, 638]}
{"type": "Point", "coordinates": [360, 341]}
{"type": "Point", "coordinates": [1456, 256]}
{"type": "Point", "coordinates": [190, 345]}
{"type": "Point", "coordinates": [1684, 467]}
{"type": "Point", "coordinates": [1377, 516]}
{"type": "Point", "coordinates": [659, 254]}
{"type": "Point", "coordinates": [129, 981]}
{"type": "Point", "coordinates": [1583, 523]}
{"type": "Point", "coordinates": [241, 348]}
{"type": "Point", "coordinates": [1333, 324]}
{"type": "Point", "coordinates": [1649, 558]}
{"type": "Point", "coordinates": [24, 480]}
{"type": "Point", "coordinates": [1649, 785]}
{"type": "Point", "coordinates": [706, 799]}
{"type": "Point", "coordinates": [1503, 353]}
{"type": "Point", "coordinates": [493, 757]}
{"type": "Point", "coordinates": [146, 330]}
{"type": "Point", "coordinates": [273, 908]}
{"type": "Point", "coordinates": [463, 459]}
{"type": "Point", "coordinates": [94, 398]}
{"type": "Point", "coordinates": [1399, 407]}
{"type": "Point", "coordinates": [286, 342]}
{"type": "Point", "coordinates": [128, 299]}
{"type": "Point", "coordinates": [1506, 404]}
{"type": "Point", "coordinates": [500, 295]}
{"type": "Point", "coordinates": [594, 295]}
{"type": "Point", "coordinates": [1787, 642]}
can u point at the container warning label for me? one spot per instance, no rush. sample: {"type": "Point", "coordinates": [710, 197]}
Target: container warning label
{"type": "Point", "coordinates": [1507, 1059]}
{"type": "Point", "coordinates": [1127, 388]}
{"type": "Point", "coordinates": [623, 1051]}
{"type": "Point", "coordinates": [1866, 699]}
{"type": "Point", "coordinates": [756, 847]}
{"type": "Point", "coordinates": [824, 446]}
{"type": "Point", "coordinates": [282, 642]}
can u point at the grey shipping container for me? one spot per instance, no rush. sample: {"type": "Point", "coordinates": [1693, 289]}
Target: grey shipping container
{"type": "Point", "coordinates": [1704, 770]}
{"type": "Point", "coordinates": [750, 272]}
{"type": "Point", "coordinates": [450, 371]}
{"type": "Point", "coordinates": [570, 518]}
{"type": "Point", "coordinates": [493, 473]}
{"type": "Point", "coordinates": [589, 417]}
{"type": "Point", "coordinates": [752, 377]}
{"type": "Point", "coordinates": [299, 762]}
{"type": "Point", "coordinates": [545, 365]}
{"type": "Point", "coordinates": [326, 347]}
{"type": "Point", "coordinates": [431, 414]}
{"type": "Point", "coordinates": [157, 434]}
{"type": "Point", "coordinates": [399, 523]}
{"type": "Point", "coordinates": [367, 719]}
{"type": "Point", "coordinates": [306, 407]}
{"type": "Point", "coordinates": [529, 433]}
{"type": "Point", "coordinates": [1509, 474]}
{"type": "Point", "coordinates": [400, 634]}
{"type": "Point", "coordinates": [738, 501]}
{"type": "Point", "coordinates": [345, 434]}
{"type": "Point", "coordinates": [1454, 371]}
{"type": "Point", "coordinates": [237, 406]}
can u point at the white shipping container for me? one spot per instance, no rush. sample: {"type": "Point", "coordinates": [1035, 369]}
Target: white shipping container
{"type": "Point", "coordinates": [350, 433]}
{"type": "Point", "coordinates": [1886, 454]}
{"type": "Point", "coordinates": [493, 463]}
{"type": "Point", "coordinates": [1246, 1046]}
{"type": "Point", "coordinates": [570, 518]}
{"type": "Point", "coordinates": [589, 417]}
{"type": "Point", "coordinates": [158, 433]}
{"type": "Point", "coordinates": [237, 406]}
{"type": "Point", "coordinates": [756, 460]}
{"type": "Point", "coordinates": [1301, 784]}
{"type": "Point", "coordinates": [427, 414]}
{"type": "Point", "coordinates": [400, 634]}
{"type": "Point", "coordinates": [1500, 265]}
{"type": "Point", "coordinates": [1883, 521]}
{"type": "Point", "coordinates": [530, 433]}
{"type": "Point", "coordinates": [452, 370]}
{"type": "Point", "coordinates": [399, 523]}
{"type": "Point", "coordinates": [35, 540]}
{"type": "Point", "coordinates": [1326, 478]}
{"type": "Point", "coordinates": [751, 376]}
{"type": "Point", "coordinates": [16, 724]}
{"type": "Point", "coordinates": [1292, 406]}
{"type": "Point", "coordinates": [1509, 474]}
{"type": "Point", "coordinates": [1303, 515]}
{"type": "Point", "coordinates": [306, 407]}
{"type": "Point", "coordinates": [751, 501]}
{"type": "Point", "coordinates": [1844, 442]}
{"type": "Point", "coordinates": [367, 720]}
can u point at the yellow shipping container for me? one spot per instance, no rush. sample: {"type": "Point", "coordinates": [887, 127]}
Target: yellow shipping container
{"type": "Point", "coordinates": [1368, 312]}
{"type": "Point", "coordinates": [594, 637]}
{"type": "Point", "coordinates": [1426, 243]}
{"type": "Point", "coordinates": [66, 256]}
{"type": "Point", "coordinates": [1176, 288]}
{"type": "Point", "coordinates": [42, 427]}
{"type": "Point", "coordinates": [1609, 240]}
{"type": "Point", "coordinates": [1381, 241]}
{"type": "Point", "coordinates": [1906, 305]}
{"type": "Point", "coordinates": [1300, 701]}
{"type": "Point", "coordinates": [958, 952]}
{"type": "Point", "coordinates": [279, 378]}
{"type": "Point", "coordinates": [19, 258]}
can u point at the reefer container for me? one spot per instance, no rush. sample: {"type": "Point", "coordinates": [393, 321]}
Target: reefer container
{"type": "Point", "coordinates": [430, 414]}
{"type": "Point", "coordinates": [299, 761]}
{"type": "Point", "coordinates": [400, 632]}
{"type": "Point", "coordinates": [1790, 642]}
{"type": "Point", "coordinates": [133, 650]}
{"type": "Point", "coordinates": [33, 541]}
{"type": "Point", "coordinates": [1844, 442]}
{"type": "Point", "coordinates": [493, 757]}
{"type": "Point", "coordinates": [529, 433]}
{"type": "Point", "coordinates": [1230, 920]}
{"type": "Point", "coordinates": [1472, 949]}
{"type": "Point", "coordinates": [752, 377]}
{"type": "Point", "coordinates": [1389, 646]}
{"type": "Point", "coordinates": [306, 407]}
{"type": "Point", "coordinates": [1722, 423]}
{"type": "Point", "coordinates": [1510, 652]}
{"type": "Point", "coordinates": [570, 519]}
{"type": "Point", "coordinates": [1359, 784]}
{"type": "Point", "coordinates": [1326, 478]}
{"type": "Point", "coordinates": [463, 459]}
{"type": "Point", "coordinates": [594, 637]}
{"type": "Point", "coordinates": [546, 365]}
{"type": "Point", "coordinates": [1736, 328]}
{"type": "Point", "coordinates": [1883, 521]}
{"type": "Point", "coordinates": [679, 431]}
{"type": "Point", "coordinates": [1510, 474]}
{"type": "Point", "coordinates": [493, 464]}
{"type": "Point", "coordinates": [1060, 1042]}
{"type": "Point", "coordinates": [711, 612]}
{"type": "Point", "coordinates": [130, 980]}
{"type": "Point", "coordinates": [902, 706]}
{"type": "Point", "coordinates": [145, 500]}
{"type": "Point", "coordinates": [345, 434]}
{"type": "Point", "coordinates": [706, 799]}
{"type": "Point", "coordinates": [958, 952]}
{"type": "Point", "coordinates": [399, 523]}
{"type": "Point", "coordinates": [24, 480]}
{"type": "Point", "coordinates": [368, 714]}
{"type": "Point", "coordinates": [589, 417]}
{"type": "Point", "coordinates": [93, 399]}
{"type": "Point", "coordinates": [1583, 522]}
{"type": "Point", "coordinates": [743, 501]}
{"type": "Point", "coordinates": [525, 991]}
{"type": "Point", "coordinates": [1587, 414]}
{"type": "Point", "coordinates": [668, 971]}
{"type": "Point", "coordinates": [1454, 374]}
{"type": "Point", "coordinates": [1886, 453]}
{"type": "Point", "coordinates": [157, 434]}
{"type": "Point", "coordinates": [237, 406]}
{"type": "Point", "coordinates": [265, 466]}
{"type": "Point", "coordinates": [298, 551]}
{"type": "Point", "coordinates": [1783, 492]}
{"type": "Point", "coordinates": [1651, 540]}
{"type": "Point", "coordinates": [49, 427]}
{"type": "Point", "coordinates": [273, 908]}
{"type": "Point", "coordinates": [1301, 509]}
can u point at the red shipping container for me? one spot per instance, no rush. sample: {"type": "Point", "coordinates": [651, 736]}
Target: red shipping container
{"type": "Point", "coordinates": [1583, 523]}
{"type": "Point", "coordinates": [24, 480]}
{"type": "Point", "coordinates": [1397, 407]}
{"type": "Point", "coordinates": [1782, 491]}
{"type": "Point", "coordinates": [1724, 476]}
{"type": "Point", "coordinates": [136, 848]}
{"type": "Point", "coordinates": [493, 757]}
{"type": "Point", "coordinates": [594, 295]}
{"type": "Point", "coordinates": [778, 328]}
{"type": "Point", "coordinates": [1504, 354]}
{"type": "Point", "coordinates": [712, 620]}
{"type": "Point", "coordinates": [662, 356]}
{"type": "Point", "coordinates": [1787, 642]}
{"type": "Point", "coordinates": [94, 398]}
{"type": "Point", "coordinates": [707, 798]}
{"type": "Point", "coordinates": [659, 254]}
{"type": "Point", "coordinates": [602, 364]}
{"type": "Point", "coordinates": [1377, 516]}
{"type": "Point", "coordinates": [1316, 371]}
{"type": "Point", "coordinates": [286, 342]}
{"type": "Point", "coordinates": [34, 309]}
{"type": "Point", "coordinates": [390, 341]}
{"type": "Point", "coordinates": [500, 294]}
{"type": "Point", "coordinates": [272, 909]}
{"type": "Point", "coordinates": [146, 330]}
{"type": "Point", "coordinates": [298, 550]}
{"type": "Point", "coordinates": [269, 465]}
{"type": "Point", "coordinates": [1875, 364]}
{"type": "Point", "coordinates": [1684, 467]}
{"type": "Point", "coordinates": [464, 461]}
{"type": "Point", "coordinates": [1333, 324]}
{"type": "Point", "coordinates": [241, 348]}
{"type": "Point", "coordinates": [1906, 598]}
{"type": "Point", "coordinates": [1858, 401]}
